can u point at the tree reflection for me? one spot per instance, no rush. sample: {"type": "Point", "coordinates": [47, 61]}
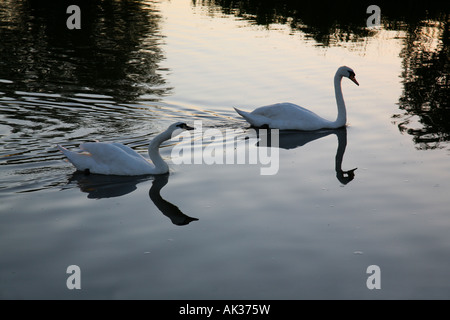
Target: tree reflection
{"type": "Point", "coordinates": [426, 92]}
{"type": "Point", "coordinates": [115, 53]}
{"type": "Point", "coordinates": [329, 22]}
{"type": "Point", "coordinates": [326, 22]}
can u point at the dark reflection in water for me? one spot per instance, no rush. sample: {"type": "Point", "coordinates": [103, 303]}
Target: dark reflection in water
{"type": "Point", "coordinates": [426, 78]}
{"type": "Point", "coordinates": [116, 52]}
{"type": "Point", "coordinates": [168, 209]}
{"type": "Point", "coordinates": [293, 139]}
{"type": "Point", "coordinates": [103, 186]}
{"type": "Point", "coordinates": [327, 22]}
{"type": "Point", "coordinates": [426, 53]}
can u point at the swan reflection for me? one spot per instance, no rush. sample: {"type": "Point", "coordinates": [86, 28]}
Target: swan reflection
{"type": "Point", "coordinates": [103, 186]}
{"type": "Point", "coordinates": [168, 209]}
{"type": "Point", "coordinates": [289, 139]}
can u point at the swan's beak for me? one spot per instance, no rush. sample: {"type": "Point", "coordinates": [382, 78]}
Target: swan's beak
{"type": "Point", "coordinates": [354, 80]}
{"type": "Point", "coordinates": [186, 127]}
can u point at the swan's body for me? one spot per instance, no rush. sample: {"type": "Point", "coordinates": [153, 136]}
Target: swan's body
{"type": "Point", "coordinates": [117, 159]}
{"type": "Point", "coordinates": [288, 116]}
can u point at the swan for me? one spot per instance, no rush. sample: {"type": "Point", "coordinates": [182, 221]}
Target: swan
{"type": "Point", "coordinates": [288, 116]}
{"type": "Point", "coordinates": [117, 159]}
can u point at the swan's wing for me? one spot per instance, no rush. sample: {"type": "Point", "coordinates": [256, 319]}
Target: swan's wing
{"type": "Point", "coordinates": [284, 111]}
{"type": "Point", "coordinates": [128, 150]}
{"type": "Point", "coordinates": [286, 116]}
{"type": "Point", "coordinates": [111, 152]}
{"type": "Point", "coordinates": [108, 158]}
{"type": "Point", "coordinates": [103, 152]}
{"type": "Point", "coordinates": [113, 158]}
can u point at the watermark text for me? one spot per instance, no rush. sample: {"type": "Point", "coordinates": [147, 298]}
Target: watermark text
{"type": "Point", "coordinates": [212, 146]}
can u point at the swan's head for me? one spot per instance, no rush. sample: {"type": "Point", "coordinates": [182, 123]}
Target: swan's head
{"type": "Point", "coordinates": [178, 126]}
{"type": "Point", "coordinates": [347, 72]}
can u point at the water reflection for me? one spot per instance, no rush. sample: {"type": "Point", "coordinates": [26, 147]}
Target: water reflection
{"type": "Point", "coordinates": [294, 139]}
{"type": "Point", "coordinates": [103, 186]}
{"type": "Point", "coordinates": [168, 209]}
{"type": "Point", "coordinates": [116, 52]}
{"type": "Point", "coordinates": [426, 78]}
{"type": "Point", "coordinates": [326, 22]}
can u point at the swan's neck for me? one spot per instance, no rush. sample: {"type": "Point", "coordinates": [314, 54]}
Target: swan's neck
{"type": "Point", "coordinates": [153, 151]}
{"type": "Point", "coordinates": [341, 119]}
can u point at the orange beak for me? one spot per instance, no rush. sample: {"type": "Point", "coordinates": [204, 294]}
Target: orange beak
{"type": "Point", "coordinates": [354, 80]}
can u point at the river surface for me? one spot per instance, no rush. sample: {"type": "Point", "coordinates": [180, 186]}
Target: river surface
{"type": "Point", "coordinates": [313, 228]}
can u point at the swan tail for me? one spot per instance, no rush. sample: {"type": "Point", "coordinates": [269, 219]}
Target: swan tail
{"type": "Point", "coordinates": [254, 119]}
{"type": "Point", "coordinates": [244, 115]}
{"type": "Point", "coordinates": [64, 150]}
{"type": "Point", "coordinates": [81, 161]}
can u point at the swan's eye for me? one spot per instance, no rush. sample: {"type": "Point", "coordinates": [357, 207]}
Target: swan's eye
{"type": "Point", "coordinates": [181, 125]}
{"type": "Point", "coordinates": [351, 74]}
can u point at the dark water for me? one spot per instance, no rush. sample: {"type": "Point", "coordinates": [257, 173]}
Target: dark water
{"type": "Point", "coordinates": [115, 53]}
{"type": "Point", "coordinates": [225, 231]}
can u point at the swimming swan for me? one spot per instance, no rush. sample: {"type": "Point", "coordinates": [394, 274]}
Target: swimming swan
{"type": "Point", "coordinates": [288, 116]}
{"type": "Point", "coordinates": [117, 159]}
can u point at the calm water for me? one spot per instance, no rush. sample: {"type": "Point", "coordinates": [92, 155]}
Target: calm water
{"type": "Point", "coordinates": [224, 231]}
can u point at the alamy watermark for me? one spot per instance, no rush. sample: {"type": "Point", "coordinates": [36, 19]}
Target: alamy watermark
{"type": "Point", "coordinates": [74, 20]}
{"type": "Point", "coordinates": [212, 146]}
{"type": "Point", "coordinates": [374, 280]}
{"type": "Point", "coordinates": [74, 280]}
{"type": "Point", "coordinates": [374, 20]}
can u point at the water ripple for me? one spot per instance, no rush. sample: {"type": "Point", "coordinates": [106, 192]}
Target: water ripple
{"type": "Point", "coordinates": [33, 123]}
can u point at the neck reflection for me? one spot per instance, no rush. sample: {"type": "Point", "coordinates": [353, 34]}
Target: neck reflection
{"type": "Point", "coordinates": [289, 139]}
{"type": "Point", "coordinates": [168, 209]}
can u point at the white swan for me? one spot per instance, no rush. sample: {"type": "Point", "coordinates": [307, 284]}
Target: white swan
{"type": "Point", "coordinates": [117, 159]}
{"type": "Point", "coordinates": [288, 116]}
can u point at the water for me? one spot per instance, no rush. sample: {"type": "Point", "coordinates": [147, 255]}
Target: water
{"type": "Point", "coordinates": [224, 231]}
